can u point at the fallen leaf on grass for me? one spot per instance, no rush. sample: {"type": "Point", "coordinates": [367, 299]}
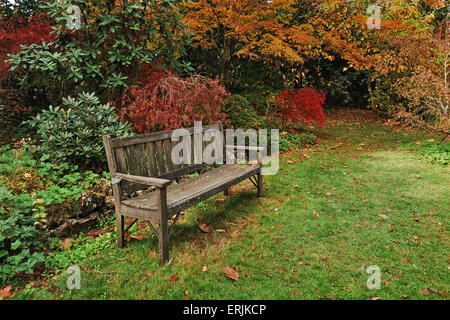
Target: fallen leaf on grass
{"type": "Point", "coordinates": [132, 236]}
{"type": "Point", "coordinates": [205, 227]}
{"type": "Point", "coordinates": [425, 291]}
{"type": "Point", "coordinates": [230, 273]}
{"type": "Point", "coordinates": [436, 291]}
{"type": "Point", "coordinates": [151, 254]}
{"type": "Point", "coordinates": [95, 233]}
{"type": "Point", "coordinates": [383, 216]}
{"type": "Point", "coordinates": [235, 234]}
{"type": "Point", "coordinates": [6, 293]}
{"type": "Point", "coordinates": [290, 161]}
{"type": "Point", "coordinates": [66, 243]}
{"type": "Point", "coordinates": [361, 268]}
{"type": "Point", "coordinates": [99, 232]}
{"type": "Point", "coordinates": [148, 275]}
{"type": "Point", "coordinates": [173, 277]}
{"type": "Point", "coordinates": [51, 290]}
{"type": "Point", "coordinates": [335, 146]}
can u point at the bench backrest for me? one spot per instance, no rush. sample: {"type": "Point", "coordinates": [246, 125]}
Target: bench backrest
{"type": "Point", "coordinates": [149, 155]}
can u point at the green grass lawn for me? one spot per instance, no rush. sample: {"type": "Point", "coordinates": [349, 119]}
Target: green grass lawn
{"type": "Point", "coordinates": [361, 197]}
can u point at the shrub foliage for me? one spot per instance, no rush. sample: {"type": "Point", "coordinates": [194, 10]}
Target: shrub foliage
{"type": "Point", "coordinates": [28, 189]}
{"type": "Point", "coordinates": [301, 105]}
{"type": "Point", "coordinates": [169, 102]}
{"type": "Point", "coordinates": [240, 113]}
{"type": "Point", "coordinates": [73, 133]}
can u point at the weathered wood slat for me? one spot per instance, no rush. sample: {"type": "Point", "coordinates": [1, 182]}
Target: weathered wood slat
{"type": "Point", "coordinates": [130, 188]}
{"type": "Point", "coordinates": [122, 167]}
{"type": "Point", "coordinates": [150, 151]}
{"type": "Point", "coordinates": [133, 169]}
{"type": "Point", "coordinates": [139, 213]}
{"type": "Point", "coordinates": [163, 232]}
{"type": "Point", "coordinates": [120, 160]}
{"type": "Point", "coordinates": [160, 157]}
{"type": "Point", "coordinates": [197, 143]}
{"type": "Point", "coordinates": [117, 191]}
{"type": "Point", "coordinates": [192, 151]}
{"type": "Point", "coordinates": [203, 196]}
{"type": "Point", "coordinates": [187, 158]}
{"type": "Point", "coordinates": [167, 146]}
{"type": "Point", "coordinates": [142, 160]}
{"type": "Point", "coordinates": [181, 172]}
{"type": "Point", "coordinates": [143, 138]}
{"type": "Point", "coordinates": [172, 145]}
{"type": "Point", "coordinates": [196, 189]}
{"type": "Point", "coordinates": [131, 160]}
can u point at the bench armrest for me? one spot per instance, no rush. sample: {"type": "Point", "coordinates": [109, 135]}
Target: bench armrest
{"type": "Point", "coordinates": [150, 181]}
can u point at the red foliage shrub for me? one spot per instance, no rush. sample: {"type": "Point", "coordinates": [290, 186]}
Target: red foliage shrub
{"type": "Point", "coordinates": [151, 74]}
{"type": "Point", "coordinates": [14, 32]}
{"type": "Point", "coordinates": [17, 31]}
{"type": "Point", "coordinates": [167, 102]}
{"type": "Point", "coordinates": [301, 105]}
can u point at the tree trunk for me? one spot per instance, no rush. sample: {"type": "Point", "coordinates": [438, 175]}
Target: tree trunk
{"type": "Point", "coordinates": [226, 62]}
{"type": "Point", "coordinates": [369, 86]}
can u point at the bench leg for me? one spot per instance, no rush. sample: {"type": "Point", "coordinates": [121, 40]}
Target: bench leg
{"type": "Point", "coordinates": [260, 185]}
{"type": "Point", "coordinates": [119, 227]}
{"type": "Point", "coordinates": [226, 192]}
{"type": "Point", "coordinates": [163, 226]}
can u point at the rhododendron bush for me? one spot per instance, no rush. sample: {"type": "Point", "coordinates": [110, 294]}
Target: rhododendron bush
{"type": "Point", "coordinates": [167, 101]}
{"type": "Point", "coordinates": [301, 105]}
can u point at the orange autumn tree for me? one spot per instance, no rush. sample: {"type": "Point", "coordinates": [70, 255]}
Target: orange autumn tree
{"type": "Point", "coordinates": [410, 66]}
{"type": "Point", "coordinates": [281, 32]}
{"type": "Point", "coordinates": [220, 25]}
{"type": "Point", "coordinates": [252, 29]}
{"type": "Point", "coordinates": [284, 34]}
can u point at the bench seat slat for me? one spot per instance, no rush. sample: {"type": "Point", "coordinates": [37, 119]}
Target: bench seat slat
{"type": "Point", "coordinates": [189, 192]}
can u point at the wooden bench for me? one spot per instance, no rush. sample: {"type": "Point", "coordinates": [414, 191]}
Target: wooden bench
{"type": "Point", "coordinates": [144, 162]}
